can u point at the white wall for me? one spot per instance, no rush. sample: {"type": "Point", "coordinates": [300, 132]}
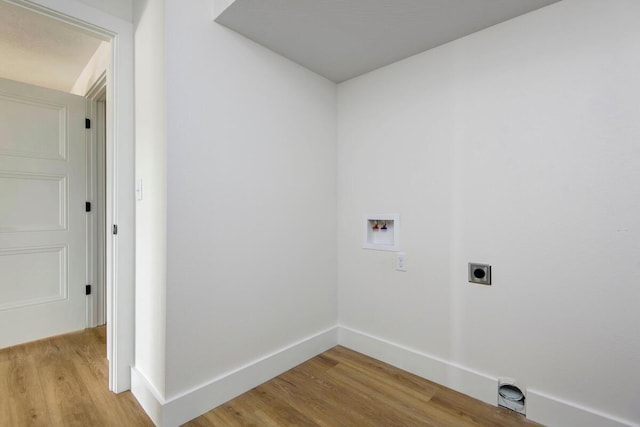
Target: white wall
{"type": "Point", "coordinates": [151, 211]}
{"type": "Point", "coordinates": [120, 8]}
{"type": "Point", "coordinates": [516, 146]}
{"type": "Point", "coordinates": [219, 6]}
{"type": "Point", "coordinates": [95, 68]}
{"type": "Point", "coordinates": [251, 200]}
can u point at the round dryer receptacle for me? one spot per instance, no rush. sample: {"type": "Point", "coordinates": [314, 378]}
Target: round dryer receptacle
{"type": "Point", "coordinates": [479, 273]}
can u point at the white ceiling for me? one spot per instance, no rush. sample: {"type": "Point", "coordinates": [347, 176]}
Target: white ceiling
{"type": "Point", "coordinates": [42, 51]}
{"type": "Point", "coordinates": [341, 39]}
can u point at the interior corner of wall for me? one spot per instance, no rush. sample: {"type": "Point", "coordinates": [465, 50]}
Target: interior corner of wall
{"type": "Point", "coordinates": [220, 6]}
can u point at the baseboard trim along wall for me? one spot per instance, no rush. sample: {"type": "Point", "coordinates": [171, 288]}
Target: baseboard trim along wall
{"type": "Point", "coordinates": [147, 395]}
{"type": "Point", "coordinates": [552, 411]}
{"type": "Point", "coordinates": [440, 371]}
{"type": "Point", "coordinates": [178, 410]}
{"type": "Point", "coordinates": [541, 408]}
{"type": "Point", "coordinates": [193, 403]}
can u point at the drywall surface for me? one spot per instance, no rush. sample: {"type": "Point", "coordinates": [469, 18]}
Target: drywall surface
{"type": "Point", "coordinates": [151, 170]}
{"type": "Point", "coordinates": [251, 200]}
{"type": "Point", "coordinates": [518, 147]}
{"type": "Point", "coordinates": [95, 69]}
{"type": "Point", "coordinates": [120, 8]}
{"type": "Point", "coordinates": [219, 6]}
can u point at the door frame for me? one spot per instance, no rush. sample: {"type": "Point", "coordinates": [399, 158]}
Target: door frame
{"type": "Point", "coordinates": [96, 182]}
{"type": "Point", "coordinates": [120, 251]}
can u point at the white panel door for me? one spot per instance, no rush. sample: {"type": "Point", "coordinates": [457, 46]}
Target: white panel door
{"type": "Point", "coordinates": [42, 215]}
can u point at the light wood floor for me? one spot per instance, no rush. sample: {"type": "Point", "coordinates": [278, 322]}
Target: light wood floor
{"type": "Point", "coordinates": [62, 381]}
{"type": "Point", "coordinates": [343, 388]}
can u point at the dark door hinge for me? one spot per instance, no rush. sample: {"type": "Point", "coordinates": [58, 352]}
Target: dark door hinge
{"type": "Point", "coordinates": [87, 206]}
{"type": "Point", "coordinates": [87, 290]}
{"type": "Point", "coordinates": [87, 123]}
{"type": "Point", "coordinates": [115, 229]}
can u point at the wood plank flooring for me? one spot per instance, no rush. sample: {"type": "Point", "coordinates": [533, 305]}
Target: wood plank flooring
{"type": "Point", "coordinates": [343, 388]}
{"type": "Point", "coordinates": [62, 381]}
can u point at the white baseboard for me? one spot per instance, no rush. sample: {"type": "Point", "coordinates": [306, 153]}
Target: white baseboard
{"type": "Point", "coordinates": [552, 411]}
{"type": "Point", "coordinates": [541, 408]}
{"type": "Point", "coordinates": [148, 397]}
{"type": "Point", "coordinates": [193, 403]}
{"type": "Point", "coordinates": [440, 371]}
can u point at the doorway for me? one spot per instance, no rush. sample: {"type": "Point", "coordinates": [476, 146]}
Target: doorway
{"type": "Point", "coordinates": [118, 189]}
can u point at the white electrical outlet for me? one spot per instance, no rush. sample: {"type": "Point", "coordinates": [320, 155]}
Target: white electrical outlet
{"type": "Point", "coordinates": [401, 261]}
